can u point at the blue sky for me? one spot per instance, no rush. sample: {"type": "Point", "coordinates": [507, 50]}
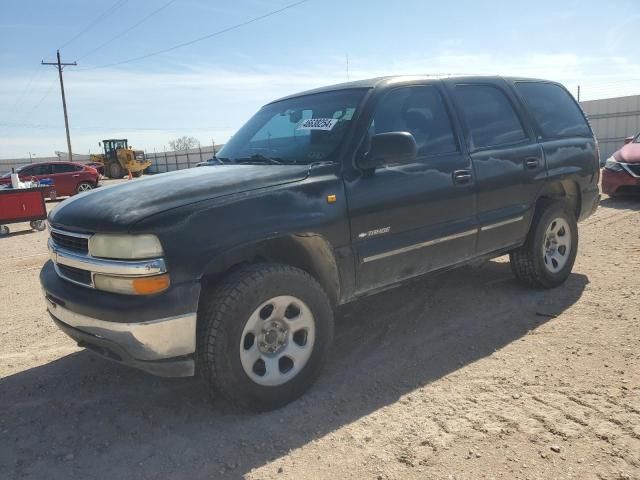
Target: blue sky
{"type": "Point", "coordinates": [210, 88]}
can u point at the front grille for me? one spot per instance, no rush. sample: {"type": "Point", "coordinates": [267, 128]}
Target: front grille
{"type": "Point", "coordinates": [634, 167]}
{"type": "Point", "coordinates": [70, 242]}
{"type": "Point", "coordinates": [75, 274]}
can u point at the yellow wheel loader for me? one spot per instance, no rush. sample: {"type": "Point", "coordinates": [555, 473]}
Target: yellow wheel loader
{"type": "Point", "coordinates": [118, 159]}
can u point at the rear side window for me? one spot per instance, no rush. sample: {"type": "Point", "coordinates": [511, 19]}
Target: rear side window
{"type": "Point", "coordinates": [555, 112]}
{"type": "Point", "coordinates": [63, 168]}
{"type": "Point", "coordinates": [491, 119]}
{"type": "Point", "coordinates": [420, 111]}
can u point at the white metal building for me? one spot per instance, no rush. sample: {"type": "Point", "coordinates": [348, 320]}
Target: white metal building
{"type": "Point", "coordinates": [613, 120]}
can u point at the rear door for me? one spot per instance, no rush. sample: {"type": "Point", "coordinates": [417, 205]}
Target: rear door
{"type": "Point", "coordinates": [65, 178]}
{"type": "Point", "coordinates": [507, 160]}
{"type": "Point", "coordinates": [563, 132]}
{"type": "Point", "coordinates": [410, 219]}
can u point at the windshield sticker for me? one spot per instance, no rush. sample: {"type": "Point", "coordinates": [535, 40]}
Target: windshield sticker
{"type": "Point", "coordinates": [318, 124]}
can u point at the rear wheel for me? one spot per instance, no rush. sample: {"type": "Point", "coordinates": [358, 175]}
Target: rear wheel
{"type": "Point", "coordinates": [547, 257]}
{"type": "Point", "coordinates": [4, 230]}
{"type": "Point", "coordinates": [84, 187]}
{"type": "Point", "coordinates": [115, 170]}
{"type": "Point", "coordinates": [264, 335]}
{"type": "Point", "coordinates": [137, 174]}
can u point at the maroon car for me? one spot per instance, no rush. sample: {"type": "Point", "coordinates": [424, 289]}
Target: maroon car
{"type": "Point", "coordinates": [621, 173]}
{"type": "Point", "coordinates": [68, 178]}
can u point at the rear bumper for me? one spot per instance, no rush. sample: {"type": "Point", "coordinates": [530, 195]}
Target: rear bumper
{"type": "Point", "coordinates": [590, 199]}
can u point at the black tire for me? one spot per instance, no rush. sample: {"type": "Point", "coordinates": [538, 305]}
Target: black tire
{"type": "Point", "coordinates": [38, 225]}
{"type": "Point", "coordinates": [222, 316]}
{"type": "Point", "coordinates": [114, 170]}
{"type": "Point", "coordinates": [84, 187]}
{"type": "Point", "coordinates": [528, 262]}
{"type": "Point", "coordinates": [136, 174]}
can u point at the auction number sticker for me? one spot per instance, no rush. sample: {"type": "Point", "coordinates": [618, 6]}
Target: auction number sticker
{"type": "Point", "coordinates": [318, 124]}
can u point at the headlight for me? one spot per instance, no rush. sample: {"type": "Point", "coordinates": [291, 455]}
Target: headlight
{"type": "Point", "coordinates": [613, 165]}
{"type": "Point", "coordinates": [125, 247]}
{"type": "Point", "coordinates": [131, 285]}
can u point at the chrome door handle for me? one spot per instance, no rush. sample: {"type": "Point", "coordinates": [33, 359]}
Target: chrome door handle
{"type": "Point", "coordinates": [461, 177]}
{"type": "Point", "coordinates": [532, 163]}
{"type": "Point", "coordinates": [76, 175]}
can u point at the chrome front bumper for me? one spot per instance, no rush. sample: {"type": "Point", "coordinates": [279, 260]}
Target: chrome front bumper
{"type": "Point", "coordinates": [146, 345]}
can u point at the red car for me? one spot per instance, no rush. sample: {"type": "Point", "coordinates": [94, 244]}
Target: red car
{"type": "Point", "coordinates": [68, 178]}
{"type": "Point", "coordinates": [621, 173]}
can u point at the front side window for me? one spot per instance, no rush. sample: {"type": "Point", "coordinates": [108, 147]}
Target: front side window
{"type": "Point", "coordinates": [420, 111]}
{"type": "Point", "coordinates": [491, 118]}
{"type": "Point", "coordinates": [34, 170]}
{"type": "Point", "coordinates": [555, 112]}
{"type": "Point", "coordinates": [302, 130]}
{"type": "Point", "coordinates": [41, 170]}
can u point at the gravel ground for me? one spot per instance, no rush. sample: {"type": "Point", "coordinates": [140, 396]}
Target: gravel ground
{"type": "Point", "coordinates": [465, 374]}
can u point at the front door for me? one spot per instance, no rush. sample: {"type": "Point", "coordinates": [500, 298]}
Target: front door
{"type": "Point", "coordinates": [410, 219]}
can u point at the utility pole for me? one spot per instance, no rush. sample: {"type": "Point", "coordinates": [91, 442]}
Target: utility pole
{"type": "Point", "coordinates": [578, 93]}
{"type": "Point", "coordinates": [59, 64]}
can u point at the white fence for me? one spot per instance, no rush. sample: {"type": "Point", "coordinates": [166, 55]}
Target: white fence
{"type": "Point", "coordinates": [161, 161]}
{"type": "Point", "coordinates": [179, 160]}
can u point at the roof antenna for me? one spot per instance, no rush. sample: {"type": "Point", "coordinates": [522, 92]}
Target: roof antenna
{"type": "Point", "coordinates": [348, 76]}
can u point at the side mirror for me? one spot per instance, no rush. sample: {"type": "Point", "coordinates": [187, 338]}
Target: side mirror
{"type": "Point", "coordinates": [389, 148]}
{"type": "Point", "coordinates": [628, 140]}
{"type": "Point", "coordinates": [99, 144]}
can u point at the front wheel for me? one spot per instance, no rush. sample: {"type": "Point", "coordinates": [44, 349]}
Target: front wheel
{"type": "Point", "coordinates": [115, 170]}
{"type": "Point", "coordinates": [84, 187]}
{"type": "Point", "coordinates": [547, 257]}
{"type": "Point", "coordinates": [264, 334]}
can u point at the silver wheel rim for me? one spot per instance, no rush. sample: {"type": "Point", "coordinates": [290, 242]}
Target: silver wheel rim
{"type": "Point", "coordinates": [277, 340]}
{"type": "Point", "coordinates": [556, 247]}
{"type": "Point", "coordinates": [84, 187]}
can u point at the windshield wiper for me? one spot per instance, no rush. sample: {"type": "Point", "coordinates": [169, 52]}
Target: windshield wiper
{"type": "Point", "coordinates": [259, 158]}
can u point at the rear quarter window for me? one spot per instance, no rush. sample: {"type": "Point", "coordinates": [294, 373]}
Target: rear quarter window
{"type": "Point", "coordinates": [553, 109]}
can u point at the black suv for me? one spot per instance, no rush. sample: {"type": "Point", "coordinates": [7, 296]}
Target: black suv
{"type": "Point", "coordinates": [319, 199]}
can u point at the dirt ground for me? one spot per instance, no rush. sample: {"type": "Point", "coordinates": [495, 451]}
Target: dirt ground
{"type": "Point", "coordinates": [462, 375]}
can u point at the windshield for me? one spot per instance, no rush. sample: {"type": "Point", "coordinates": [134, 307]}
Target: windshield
{"type": "Point", "coordinates": [300, 130]}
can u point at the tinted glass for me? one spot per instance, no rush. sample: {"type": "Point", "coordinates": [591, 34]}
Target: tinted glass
{"type": "Point", "coordinates": [38, 170]}
{"type": "Point", "coordinates": [490, 116]}
{"type": "Point", "coordinates": [419, 111]}
{"type": "Point", "coordinates": [554, 110]}
{"type": "Point", "coordinates": [63, 167]}
{"type": "Point", "coordinates": [302, 129]}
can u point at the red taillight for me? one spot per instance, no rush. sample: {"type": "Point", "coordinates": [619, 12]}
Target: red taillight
{"type": "Point", "coordinates": [90, 169]}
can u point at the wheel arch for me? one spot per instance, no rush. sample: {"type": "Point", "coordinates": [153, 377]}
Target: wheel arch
{"type": "Point", "coordinates": [309, 252]}
{"type": "Point", "coordinates": [567, 190]}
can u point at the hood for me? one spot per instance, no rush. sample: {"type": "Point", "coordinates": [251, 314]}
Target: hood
{"type": "Point", "coordinates": [116, 207]}
{"type": "Point", "coordinates": [630, 153]}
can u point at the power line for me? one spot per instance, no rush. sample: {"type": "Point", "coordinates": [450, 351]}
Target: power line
{"type": "Point", "coordinates": [127, 30]}
{"type": "Point", "coordinates": [23, 93]}
{"type": "Point", "coordinates": [46, 94]}
{"type": "Point", "coordinates": [128, 128]}
{"type": "Point", "coordinates": [204, 37]}
{"type": "Point", "coordinates": [106, 13]}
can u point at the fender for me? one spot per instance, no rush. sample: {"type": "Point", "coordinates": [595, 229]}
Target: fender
{"type": "Point", "coordinates": [310, 252]}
